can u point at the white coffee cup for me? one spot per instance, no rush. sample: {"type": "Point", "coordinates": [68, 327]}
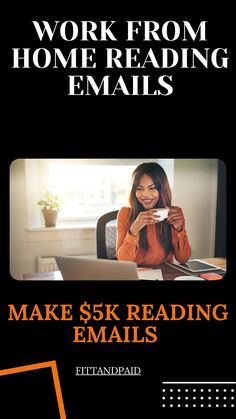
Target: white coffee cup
{"type": "Point", "coordinates": [162, 212]}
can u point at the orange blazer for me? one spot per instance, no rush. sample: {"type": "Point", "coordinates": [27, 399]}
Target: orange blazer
{"type": "Point", "coordinates": [127, 246]}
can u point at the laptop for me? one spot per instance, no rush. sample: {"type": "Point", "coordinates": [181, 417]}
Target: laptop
{"type": "Point", "coordinates": [78, 268]}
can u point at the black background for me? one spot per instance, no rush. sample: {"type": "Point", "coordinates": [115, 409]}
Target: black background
{"type": "Point", "coordinates": [41, 120]}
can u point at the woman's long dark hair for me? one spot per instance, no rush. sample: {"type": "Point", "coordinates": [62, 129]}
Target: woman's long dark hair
{"type": "Point", "coordinates": [158, 175]}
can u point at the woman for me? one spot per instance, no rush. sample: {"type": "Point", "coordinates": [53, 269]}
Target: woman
{"type": "Point", "coordinates": [142, 238]}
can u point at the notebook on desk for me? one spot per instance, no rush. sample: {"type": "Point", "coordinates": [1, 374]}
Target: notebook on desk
{"type": "Point", "coordinates": [150, 274]}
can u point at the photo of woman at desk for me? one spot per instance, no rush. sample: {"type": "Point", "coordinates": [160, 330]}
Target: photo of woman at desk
{"type": "Point", "coordinates": [143, 235]}
{"type": "Point", "coordinates": [168, 229]}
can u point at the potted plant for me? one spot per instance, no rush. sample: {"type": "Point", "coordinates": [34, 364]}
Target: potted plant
{"type": "Point", "coordinates": [51, 206]}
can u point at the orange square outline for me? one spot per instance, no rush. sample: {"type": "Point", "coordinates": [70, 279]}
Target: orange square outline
{"type": "Point", "coordinates": [56, 380]}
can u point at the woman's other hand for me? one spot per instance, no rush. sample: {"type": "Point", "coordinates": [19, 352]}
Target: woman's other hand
{"type": "Point", "coordinates": [176, 218]}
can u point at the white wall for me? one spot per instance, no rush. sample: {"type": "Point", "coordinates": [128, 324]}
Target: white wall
{"type": "Point", "coordinates": [195, 186]}
{"type": "Point", "coordinates": [27, 244]}
{"type": "Point", "coordinates": [195, 190]}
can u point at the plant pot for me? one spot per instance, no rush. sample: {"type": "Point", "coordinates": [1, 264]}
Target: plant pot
{"type": "Point", "coordinates": [50, 217]}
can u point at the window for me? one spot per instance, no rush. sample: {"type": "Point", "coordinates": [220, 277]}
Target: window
{"type": "Point", "coordinates": [89, 190]}
{"type": "Point", "coordinates": [89, 187]}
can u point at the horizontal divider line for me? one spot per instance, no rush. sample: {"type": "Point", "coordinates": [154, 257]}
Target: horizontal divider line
{"type": "Point", "coordinates": [108, 375]}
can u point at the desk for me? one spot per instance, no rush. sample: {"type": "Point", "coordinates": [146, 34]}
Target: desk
{"type": "Point", "coordinates": [169, 273]}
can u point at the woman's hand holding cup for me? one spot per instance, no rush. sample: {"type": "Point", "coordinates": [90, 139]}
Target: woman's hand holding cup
{"type": "Point", "coordinates": [144, 218]}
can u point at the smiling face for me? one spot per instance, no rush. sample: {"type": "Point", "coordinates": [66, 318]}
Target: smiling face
{"type": "Point", "coordinates": [147, 193]}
